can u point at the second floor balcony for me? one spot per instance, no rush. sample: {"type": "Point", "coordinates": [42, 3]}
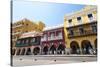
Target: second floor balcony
{"type": "Point", "coordinates": [43, 39]}
{"type": "Point", "coordinates": [85, 33]}
{"type": "Point", "coordinates": [52, 38]}
{"type": "Point", "coordinates": [55, 38]}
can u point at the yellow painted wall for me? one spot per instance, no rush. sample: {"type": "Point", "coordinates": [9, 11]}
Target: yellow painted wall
{"type": "Point", "coordinates": [85, 19]}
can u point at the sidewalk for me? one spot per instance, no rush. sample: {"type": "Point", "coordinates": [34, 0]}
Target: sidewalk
{"type": "Point", "coordinates": [72, 55]}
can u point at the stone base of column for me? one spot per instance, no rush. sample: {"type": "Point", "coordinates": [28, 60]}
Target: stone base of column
{"type": "Point", "coordinates": [67, 51]}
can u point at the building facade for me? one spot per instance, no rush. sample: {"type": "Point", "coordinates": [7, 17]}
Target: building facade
{"type": "Point", "coordinates": [28, 44]}
{"type": "Point", "coordinates": [78, 35]}
{"type": "Point", "coordinates": [81, 31]}
{"type": "Point", "coordinates": [18, 28]}
{"type": "Point", "coordinates": [52, 41]}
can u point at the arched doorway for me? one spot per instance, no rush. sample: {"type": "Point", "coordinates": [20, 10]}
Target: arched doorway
{"type": "Point", "coordinates": [18, 52]}
{"type": "Point", "coordinates": [52, 49]}
{"type": "Point", "coordinates": [36, 50]}
{"type": "Point", "coordinates": [45, 50]}
{"type": "Point", "coordinates": [61, 49]}
{"type": "Point", "coordinates": [75, 49]}
{"type": "Point", "coordinates": [86, 47]}
{"type": "Point", "coordinates": [28, 51]}
{"type": "Point", "coordinates": [23, 51]}
{"type": "Point", "coordinates": [13, 52]}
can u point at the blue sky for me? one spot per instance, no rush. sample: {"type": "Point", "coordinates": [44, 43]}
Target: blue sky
{"type": "Point", "coordinates": [50, 13]}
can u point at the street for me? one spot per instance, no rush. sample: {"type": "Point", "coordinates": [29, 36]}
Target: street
{"type": "Point", "coordinates": [51, 59]}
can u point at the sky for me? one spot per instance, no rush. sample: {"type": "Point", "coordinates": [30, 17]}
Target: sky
{"type": "Point", "coordinates": [51, 14]}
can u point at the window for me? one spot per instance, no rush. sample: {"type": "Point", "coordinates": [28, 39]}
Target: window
{"type": "Point", "coordinates": [33, 40]}
{"type": "Point", "coordinates": [52, 35]}
{"type": "Point", "coordinates": [45, 36]}
{"type": "Point", "coordinates": [27, 41]}
{"type": "Point", "coordinates": [26, 24]}
{"type": "Point", "coordinates": [71, 32]}
{"type": "Point", "coordinates": [81, 30]}
{"type": "Point", "coordinates": [59, 33]}
{"type": "Point", "coordinates": [70, 20]}
{"type": "Point", "coordinates": [79, 19]}
{"type": "Point", "coordinates": [18, 42]}
{"type": "Point", "coordinates": [94, 28]}
{"type": "Point", "coordinates": [22, 41]}
{"type": "Point", "coordinates": [90, 16]}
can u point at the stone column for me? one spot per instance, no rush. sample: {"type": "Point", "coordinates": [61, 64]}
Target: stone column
{"type": "Point", "coordinates": [15, 52]}
{"type": "Point", "coordinates": [54, 52]}
{"type": "Point", "coordinates": [67, 51]}
{"type": "Point", "coordinates": [40, 51]}
{"type": "Point", "coordinates": [80, 47]}
{"type": "Point", "coordinates": [80, 50]}
{"type": "Point", "coordinates": [20, 51]}
{"type": "Point", "coordinates": [62, 52]}
{"type": "Point", "coordinates": [25, 51]}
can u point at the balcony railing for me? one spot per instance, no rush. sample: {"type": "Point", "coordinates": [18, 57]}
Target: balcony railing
{"type": "Point", "coordinates": [43, 39]}
{"type": "Point", "coordinates": [51, 38]}
{"type": "Point", "coordinates": [86, 32]}
{"type": "Point", "coordinates": [59, 37]}
{"type": "Point", "coordinates": [55, 38]}
{"type": "Point", "coordinates": [27, 44]}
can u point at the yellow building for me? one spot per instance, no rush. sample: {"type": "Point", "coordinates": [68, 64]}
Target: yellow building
{"type": "Point", "coordinates": [24, 26]}
{"type": "Point", "coordinates": [21, 27]}
{"type": "Point", "coordinates": [81, 31]}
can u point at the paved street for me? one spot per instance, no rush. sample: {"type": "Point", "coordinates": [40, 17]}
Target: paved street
{"type": "Point", "coordinates": [51, 59]}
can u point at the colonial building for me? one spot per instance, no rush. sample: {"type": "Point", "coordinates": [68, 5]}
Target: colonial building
{"type": "Point", "coordinates": [52, 41]}
{"type": "Point", "coordinates": [29, 43]}
{"type": "Point", "coordinates": [78, 35]}
{"type": "Point", "coordinates": [21, 27]}
{"type": "Point", "coordinates": [81, 31]}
